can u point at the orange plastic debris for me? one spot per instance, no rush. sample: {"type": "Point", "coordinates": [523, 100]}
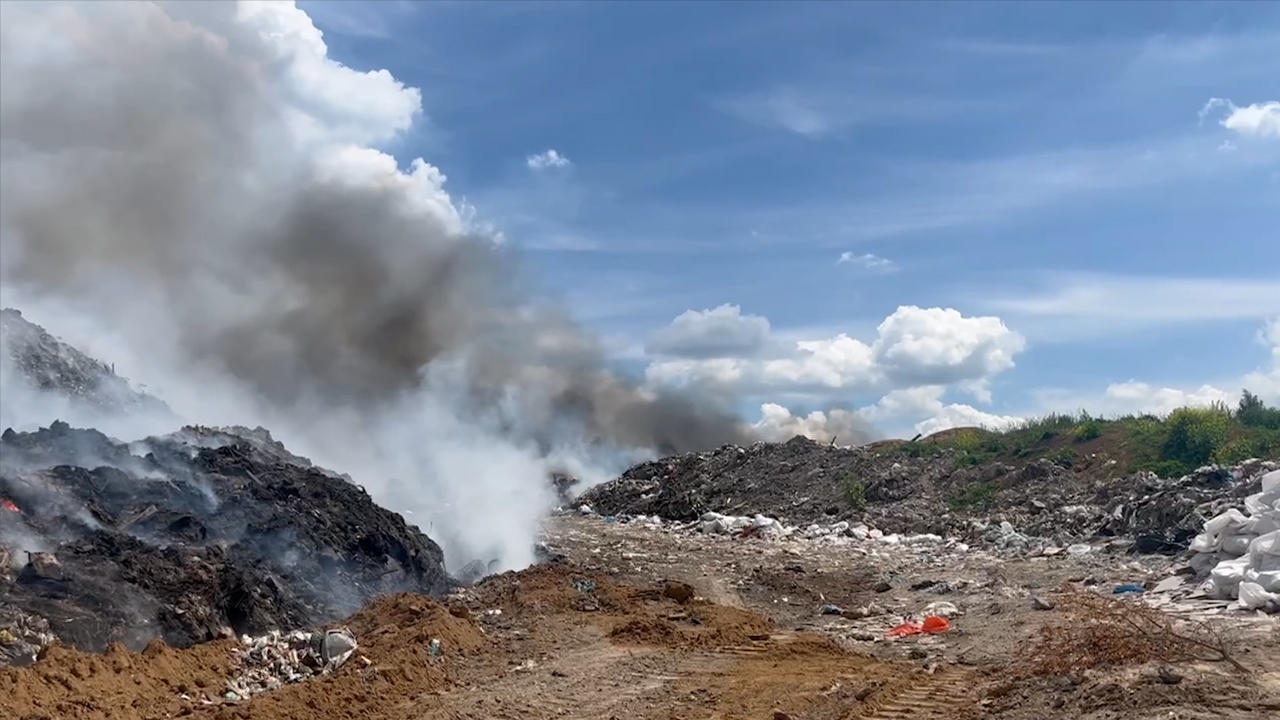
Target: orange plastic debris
{"type": "Point", "coordinates": [907, 628]}
{"type": "Point", "coordinates": [935, 624]}
{"type": "Point", "coordinates": [931, 624]}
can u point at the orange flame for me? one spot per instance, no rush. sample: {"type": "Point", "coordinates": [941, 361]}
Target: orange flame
{"type": "Point", "coordinates": [9, 505]}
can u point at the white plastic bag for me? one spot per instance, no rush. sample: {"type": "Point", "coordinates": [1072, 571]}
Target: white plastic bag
{"type": "Point", "coordinates": [1271, 481]}
{"type": "Point", "coordinates": [1237, 545]}
{"type": "Point", "coordinates": [1253, 597]}
{"type": "Point", "coordinates": [1230, 520]}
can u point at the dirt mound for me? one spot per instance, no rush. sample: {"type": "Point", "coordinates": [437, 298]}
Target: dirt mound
{"type": "Point", "coordinates": [395, 634]}
{"type": "Point", "coordinates": [556, 588]}
{"type": "Point", "coordinates": [193, 535]}
{"type": "Point", "coordinates": [67, 684]}
{"type": "Point", "coordinates": [922, 488]}
{"type": "Point", "coordinates": [700, 626]}
{"type": "Point", "coordinates": [394, 622]}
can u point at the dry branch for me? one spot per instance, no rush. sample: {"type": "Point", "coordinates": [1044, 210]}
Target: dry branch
{"type": "Point", "coordinates": [1099, 631]}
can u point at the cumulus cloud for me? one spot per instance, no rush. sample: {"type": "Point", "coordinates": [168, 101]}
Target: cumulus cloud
{"type": "Point", "coordinates": [868, 261]}
{"type": "Point", "coordinates": [845, 427]}
{"type": "Point", "coordinates": [722, 332]}
{"type": "Point", "coordinates": [546, 160]}
{"type": "Point", "coordinates": [927, 402]}
{"type": "Point", "coordinates": [1259, 120]}
{"type": "Point", "coordinates": [914, 346]}
{"type": "Point", "coordinates": [920, 408]}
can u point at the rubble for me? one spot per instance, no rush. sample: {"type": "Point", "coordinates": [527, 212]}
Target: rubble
{"type": "Point", "coordinates": [768, 489]}
{"type": "Point", "coordinates": [22, 637]}
{"type": "Point", "coordinates": [270, 661]}
{"type": "Point", "coordinates": [180, 537]}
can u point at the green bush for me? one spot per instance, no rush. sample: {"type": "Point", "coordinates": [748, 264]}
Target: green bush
{"type": "Point", "coordinates": [973, 497]}
{"type": "Point", "coordinates": [967, 440]}
{"type": "Point", "coordinates": [1258, 443]}
{"type": "Point", "coordinates": [1063, 457]}
{"type": "Point", "coordinates": [1169, 468]}
{"type": "Point", "coordinates": [855, 492]}
{"type": "Point", "coordinates": [1195, 434]}
{"type": "Point", "coordinates": [1087, 430]}
{"type": "Point", "coordinates": [1253, 413]}
{"type": "Point", "coordinates": [972, 459]}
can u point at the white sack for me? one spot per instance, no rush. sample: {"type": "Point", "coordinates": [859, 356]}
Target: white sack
{"type": "Point", "coordinates": [1253, 597]}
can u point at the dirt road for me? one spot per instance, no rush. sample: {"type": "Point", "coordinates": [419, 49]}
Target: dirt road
{"type": "Point", "coordinates": [608, 629]}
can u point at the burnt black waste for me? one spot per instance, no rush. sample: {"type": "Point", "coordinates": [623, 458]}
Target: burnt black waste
{"type": "Point", "coordinates": [192, 535]}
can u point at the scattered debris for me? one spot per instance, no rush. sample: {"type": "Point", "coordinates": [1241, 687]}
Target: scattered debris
{"type": "Point", "coordinates": [270, 661]}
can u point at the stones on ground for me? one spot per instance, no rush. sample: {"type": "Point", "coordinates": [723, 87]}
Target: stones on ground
{"type": "Point", "coordinates": [1039, 602]}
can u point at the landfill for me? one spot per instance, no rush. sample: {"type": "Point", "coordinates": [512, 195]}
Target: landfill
{"type": "Point", "coordinates": [801, 484]}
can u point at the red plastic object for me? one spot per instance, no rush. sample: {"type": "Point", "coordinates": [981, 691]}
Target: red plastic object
{"type": "Point", "coordinates": [935, 624]}
{"type": "Point", "coordinates": [907, 628]}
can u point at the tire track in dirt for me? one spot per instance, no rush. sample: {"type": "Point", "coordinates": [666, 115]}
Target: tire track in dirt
{"type": "Point", "coordinates": [933, 698]}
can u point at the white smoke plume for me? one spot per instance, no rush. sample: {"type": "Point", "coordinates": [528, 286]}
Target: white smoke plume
{"type": "Point", "coordinates": [194, 192]}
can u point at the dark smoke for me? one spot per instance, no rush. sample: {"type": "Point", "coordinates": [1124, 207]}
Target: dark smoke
{"type": "Point", "coordinates": [150, 157]}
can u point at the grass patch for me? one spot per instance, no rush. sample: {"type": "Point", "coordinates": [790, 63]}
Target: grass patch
{"type": "Point", "coordinates": [974, 497]}
{"type": "Point", "coordinates": [914, 449]}
{"type": "Point", "coordinates": [1170, 446]}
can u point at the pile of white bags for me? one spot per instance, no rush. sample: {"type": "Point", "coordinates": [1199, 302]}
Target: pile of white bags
{"type": "Point", "coordinates": [1244, 550]}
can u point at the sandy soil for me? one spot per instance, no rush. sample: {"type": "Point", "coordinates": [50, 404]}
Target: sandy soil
{"type": "Point", "coordinates": [639, 623]}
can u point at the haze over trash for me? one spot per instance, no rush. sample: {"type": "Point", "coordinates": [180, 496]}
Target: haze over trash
{"type": "Point", "coordinates": [194, 193]}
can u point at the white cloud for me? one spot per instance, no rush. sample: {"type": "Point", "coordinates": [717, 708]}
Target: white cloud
{"type": "Point", "coordinates": [547, 160]}
{"type": "Point", "coordinates": [926, 401]}
{"type": "Point", "coordinates": [777, 424]}
{"type": "Point", "coordinates": [722, 332]}
{"type": "Point", "coordinates": [818, 110]}
{"type": "Point", "coordinates": [330, 99]}
{"type": "Point", "coordinates": [868, 261]}
{"type": "Point", "coordinates": [1084, 305]}
{"type": "Point", "coordinates": [1140, 397]}
{"type": "Point", "coordinates": [898, 408]}
{"type": "Point", "coordinates": [1266, 383]}
{"type": "Point", "coordinates": [914, 346]}
{"type": "Point", "coordinates": [1260, 120]}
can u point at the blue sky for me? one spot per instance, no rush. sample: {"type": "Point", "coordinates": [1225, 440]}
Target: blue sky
{"type": "Point", "coordinates": [1058, 166]}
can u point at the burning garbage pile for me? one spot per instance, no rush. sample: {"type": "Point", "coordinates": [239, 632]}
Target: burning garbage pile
{"type": "Point", "coordinates": [190, 537]}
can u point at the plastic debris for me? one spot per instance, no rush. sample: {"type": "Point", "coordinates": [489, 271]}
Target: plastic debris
{"type": "Point", "coordinates": [1129, 589]}
{"type": "Point", "coordinates": [267, 662]}
{"type": "Point", "coordinates": [931, 625]}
